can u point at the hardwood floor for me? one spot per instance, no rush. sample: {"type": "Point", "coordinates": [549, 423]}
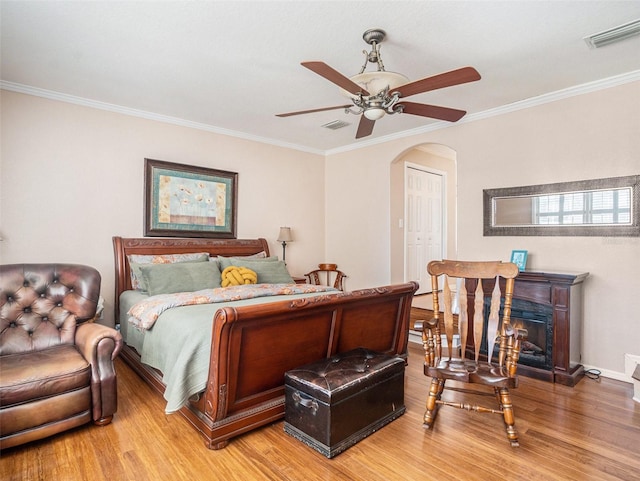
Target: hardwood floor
{"type": "Point", "coordinates": [590, 432]}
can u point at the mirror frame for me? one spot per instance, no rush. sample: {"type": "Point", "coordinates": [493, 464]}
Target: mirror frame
{"type": "Point", "coordinates": [632, 230]}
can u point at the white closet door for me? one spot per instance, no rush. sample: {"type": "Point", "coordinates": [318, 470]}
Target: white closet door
{"type": "Point", "coordinates": [423, 224]}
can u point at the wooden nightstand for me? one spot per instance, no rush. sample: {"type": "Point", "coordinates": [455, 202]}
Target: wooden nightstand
{"type": "Point", "coordinates": [299, 280]}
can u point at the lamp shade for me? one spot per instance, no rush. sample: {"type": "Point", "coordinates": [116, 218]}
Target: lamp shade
{"type": "Point", "coordinates": [285, 235]}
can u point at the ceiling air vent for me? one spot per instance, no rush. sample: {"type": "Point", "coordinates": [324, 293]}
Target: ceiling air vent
{"type": "Point", "coordinates": [613, 35]}
{"type": "Point", "coordinates": [335, 124]}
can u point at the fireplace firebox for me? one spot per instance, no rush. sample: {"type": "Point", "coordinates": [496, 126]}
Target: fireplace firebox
{"type": "Point", "coordinates": [535, 321]}
{"type": "Point", "coordinates": [547, 307]}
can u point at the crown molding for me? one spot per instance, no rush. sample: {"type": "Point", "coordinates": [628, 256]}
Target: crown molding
{"type": "Point", "coordinates": [51, 95]}
{"type": "Point", "coordinates": [513, 107]}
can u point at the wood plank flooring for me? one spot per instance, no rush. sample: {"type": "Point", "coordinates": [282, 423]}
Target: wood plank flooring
{"type": "Point", "coordinates": [590, 432]}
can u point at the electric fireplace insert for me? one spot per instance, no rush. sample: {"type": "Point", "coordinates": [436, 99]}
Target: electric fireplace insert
{"type": "Point", "coordinates": [547, 308]}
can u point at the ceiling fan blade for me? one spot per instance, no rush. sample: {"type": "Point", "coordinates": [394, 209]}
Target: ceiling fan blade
{"type": "Point", "coordinates": [334, 76]}
{"type": "Point", "coordinates": [365, 127]}
{"type": "Point", "coordinates": [447, 79]}
{"type": "Point", "coordinates": [433, 111]}
{"type": "Point", "coordinates": [289, 114]}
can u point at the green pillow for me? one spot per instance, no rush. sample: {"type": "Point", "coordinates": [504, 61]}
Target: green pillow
{"type": "Point", "coordinates": [137, 281]}
{"type": "Point", "coordinates": [225, 262]}
{"type": "Point", "coordinates": [180, 277]}
{"type": "Point", "coordinates": [269, 271]}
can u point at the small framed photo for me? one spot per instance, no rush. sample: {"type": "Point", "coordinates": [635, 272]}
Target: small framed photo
{"type": "Point", "coordinates": [188, 201]}
{"type": "Point", "coordinates": [519, 258]}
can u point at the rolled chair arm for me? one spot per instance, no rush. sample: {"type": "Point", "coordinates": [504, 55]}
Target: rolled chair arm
{"type": "Point", "coordinates": [100, 345]}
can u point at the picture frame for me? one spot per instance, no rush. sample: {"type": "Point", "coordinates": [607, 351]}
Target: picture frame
{"type": "Point", "coordinates": [519, 258]}
{"type": "Point", "coordinates": [189, 201]}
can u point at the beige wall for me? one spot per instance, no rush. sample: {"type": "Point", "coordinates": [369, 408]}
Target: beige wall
{"type": "Point", "coordinates": [72, 177]}
{"type": "Point", "coordinates": [588, 136]}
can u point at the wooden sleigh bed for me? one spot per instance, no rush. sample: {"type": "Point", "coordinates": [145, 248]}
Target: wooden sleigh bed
{"type": "Point", "coordinates": [252, 346]}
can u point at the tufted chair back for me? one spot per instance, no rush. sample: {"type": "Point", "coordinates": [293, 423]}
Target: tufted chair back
{"type": "Point", "coordinates": [41, 304]}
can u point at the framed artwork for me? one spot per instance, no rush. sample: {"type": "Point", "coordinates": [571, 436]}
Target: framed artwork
{"type": "Point", "coordinates": [188, 201]}
{"type": "Point", "coordinates": [519, 258]}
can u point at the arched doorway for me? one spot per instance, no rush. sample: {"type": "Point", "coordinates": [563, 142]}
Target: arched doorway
{"type": "Point", "coordinates": [433, 160]}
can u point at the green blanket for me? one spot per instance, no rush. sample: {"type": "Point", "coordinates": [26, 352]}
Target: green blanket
{"type": "Point", "coordinates": [179, 345]}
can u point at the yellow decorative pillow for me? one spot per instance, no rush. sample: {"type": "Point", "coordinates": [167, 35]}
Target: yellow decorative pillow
{"type": "Point", "coordinates": [236, 276]}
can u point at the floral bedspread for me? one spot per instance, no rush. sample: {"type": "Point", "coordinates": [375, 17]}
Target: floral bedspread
{"type": "Point", "coordinates": [144, 314]}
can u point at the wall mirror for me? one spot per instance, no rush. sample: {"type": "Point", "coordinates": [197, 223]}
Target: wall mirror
{"type": "Point", "coordinates": [599, 207]}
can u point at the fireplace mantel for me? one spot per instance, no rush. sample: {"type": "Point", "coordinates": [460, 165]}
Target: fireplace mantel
{"type": "Point", "coordinates": [563, 293]}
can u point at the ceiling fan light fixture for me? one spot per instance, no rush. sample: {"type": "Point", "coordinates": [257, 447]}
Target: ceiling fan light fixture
{"type": "Point", "coordinates": [374, 113]}
{"type": "Point", "coordinates": [376, 82]}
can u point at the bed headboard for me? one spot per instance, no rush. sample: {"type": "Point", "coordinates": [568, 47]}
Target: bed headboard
{"type": "Point", "coordinates": [122, 247]}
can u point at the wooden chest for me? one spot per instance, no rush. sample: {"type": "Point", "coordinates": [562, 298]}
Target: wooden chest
{"type": "Point", "coordinates": [332, 404]}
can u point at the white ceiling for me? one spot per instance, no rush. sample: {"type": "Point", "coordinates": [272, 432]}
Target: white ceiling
{"type": "Point", "coordinates": [230, 66]}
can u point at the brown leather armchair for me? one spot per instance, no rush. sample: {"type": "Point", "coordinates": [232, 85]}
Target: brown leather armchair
{"type": "Point", "coordinates": [56, 365]}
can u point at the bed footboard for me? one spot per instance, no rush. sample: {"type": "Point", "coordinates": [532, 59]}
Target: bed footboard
{"type": "Point", "coordinates": [255, 345]}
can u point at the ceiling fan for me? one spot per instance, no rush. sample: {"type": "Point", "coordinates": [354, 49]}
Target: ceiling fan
{"type": "Point", "coordinates": [374, 94]}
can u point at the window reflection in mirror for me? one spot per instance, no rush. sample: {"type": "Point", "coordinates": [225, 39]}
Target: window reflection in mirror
{"type": "Point", "coordinates": [598, 207]}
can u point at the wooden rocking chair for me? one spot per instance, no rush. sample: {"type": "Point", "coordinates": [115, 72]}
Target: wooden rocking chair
{"type": "Point", "coordinates": [496, 333]}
